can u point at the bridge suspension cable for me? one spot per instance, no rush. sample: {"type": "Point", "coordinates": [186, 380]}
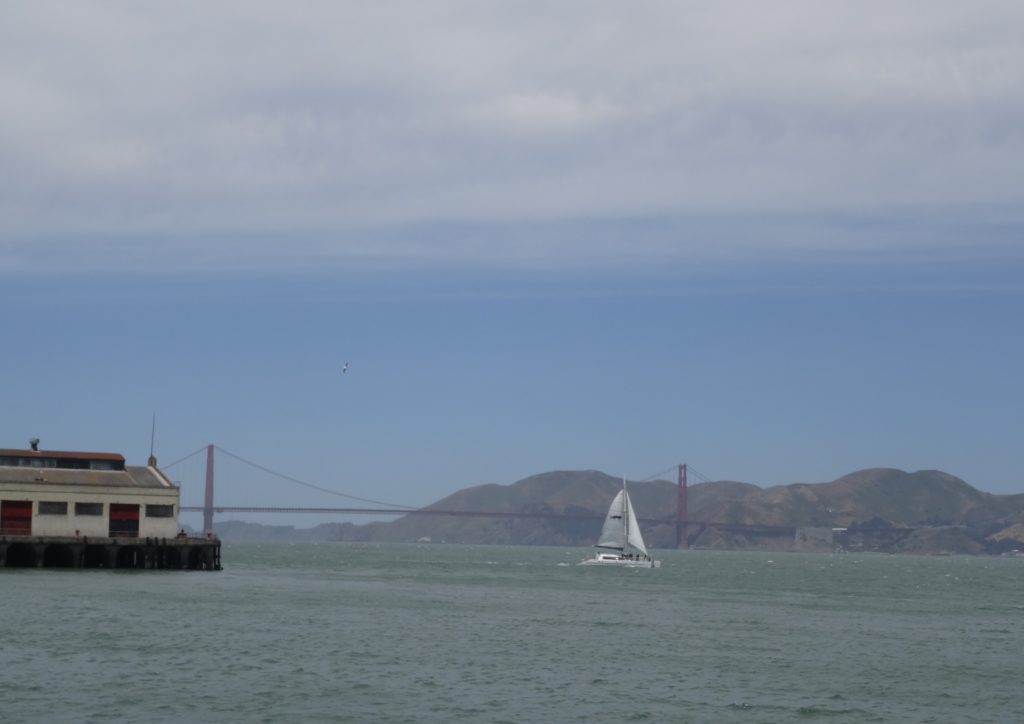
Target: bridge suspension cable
{"type": "Point", "coordinates": [289, 478]}
{"type": "Point", "coordinates": [658, 475]}
{"type": "Point", "coordinates": [181, 460]}
{"type": "Point", "coordinates": [701, 477]}
{"type": "Point", "coordinates": [398, 507]}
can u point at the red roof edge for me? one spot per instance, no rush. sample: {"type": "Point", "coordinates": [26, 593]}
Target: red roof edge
{"type": "Point", "coordinates": [62, 454]}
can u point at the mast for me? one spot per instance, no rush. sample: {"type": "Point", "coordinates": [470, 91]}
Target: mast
{"type": "Point", "coordinates": [625, 515]}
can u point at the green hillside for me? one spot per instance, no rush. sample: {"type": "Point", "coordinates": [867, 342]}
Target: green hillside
{"type": "Point", "coordinates": [879, 506]}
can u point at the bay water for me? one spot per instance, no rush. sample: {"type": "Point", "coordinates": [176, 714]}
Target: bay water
{"type": "Point", "coordinates": [446, 633]}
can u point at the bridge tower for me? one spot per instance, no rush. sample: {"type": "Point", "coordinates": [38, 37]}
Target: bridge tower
{"type": "Point", "coordinates": [681, 533]}
{"type": "Point", "coordinates": [208, 502]}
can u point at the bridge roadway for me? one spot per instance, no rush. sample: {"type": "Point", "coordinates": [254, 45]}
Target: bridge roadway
{"type": "Point", "coordinates": [736, 527]}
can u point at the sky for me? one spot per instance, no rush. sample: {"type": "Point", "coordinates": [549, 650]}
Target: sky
{"type": "Point", "coordinates": [778, 242]}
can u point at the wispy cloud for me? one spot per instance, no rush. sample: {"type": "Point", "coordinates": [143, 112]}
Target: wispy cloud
{"type": "Point", "coordinates": [325, 130]}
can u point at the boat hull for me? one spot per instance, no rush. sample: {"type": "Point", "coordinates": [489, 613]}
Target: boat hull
{"type": "Point", "coordinates": [617, 562]}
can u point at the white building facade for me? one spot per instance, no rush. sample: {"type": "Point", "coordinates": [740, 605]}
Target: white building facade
{"type": "Point", "coordinates": [81, 494]}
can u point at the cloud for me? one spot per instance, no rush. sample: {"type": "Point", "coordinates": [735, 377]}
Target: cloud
{"type": "Point", "coordinates": [347, 129]}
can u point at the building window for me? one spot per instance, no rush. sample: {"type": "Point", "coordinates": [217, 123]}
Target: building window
{"type": "Point", "coordinates": [159, 511]}
{"type": "Point", "coordinates": [88, 508]}
{"type": "Point", "coordinates": [49, 507]}
{"type": "Point", "coordinates": [37, 462]}
{"type": "Point", "coordinates": [103, 465]}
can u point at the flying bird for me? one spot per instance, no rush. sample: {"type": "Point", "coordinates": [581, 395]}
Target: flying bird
{"type": "Point", "coordinates": [344, 368]}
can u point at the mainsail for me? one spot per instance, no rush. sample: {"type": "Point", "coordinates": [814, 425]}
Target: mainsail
{"type": "Point", "coordinates": [613, 533]}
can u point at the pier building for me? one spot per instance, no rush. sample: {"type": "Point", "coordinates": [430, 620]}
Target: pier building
{"type": "Point", "coordinates": [90, 509]}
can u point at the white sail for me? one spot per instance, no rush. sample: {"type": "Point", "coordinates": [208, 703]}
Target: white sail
{"type": "Point", "coordinates": [613, 533]}
{"type": "Point", "coordinates": [633, 536]}
{"type": "Point", "coordinates": [620, 536]}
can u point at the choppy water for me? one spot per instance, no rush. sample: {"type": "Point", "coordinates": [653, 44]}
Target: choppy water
{"type": "Point", "coordinates": [348, 632]}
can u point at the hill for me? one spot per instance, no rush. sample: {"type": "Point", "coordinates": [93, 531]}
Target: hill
{"type": "Point", "coordinates": [883, 509]}
{"type": "Point", "coordinates": [239, 530]}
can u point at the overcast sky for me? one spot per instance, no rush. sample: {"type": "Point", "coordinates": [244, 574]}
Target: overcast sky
{"type": "Point", "coordinates": [566, 171]}
{"type": "Point", "coordinates": [131, 130]}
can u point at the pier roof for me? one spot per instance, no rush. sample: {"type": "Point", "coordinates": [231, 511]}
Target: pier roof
{"type": "Point", "coordinates": [94, 469]}
{"type": "Point", "coordinates": [60, 454]}
{"type": "Point", "coordinates": [131, 477]}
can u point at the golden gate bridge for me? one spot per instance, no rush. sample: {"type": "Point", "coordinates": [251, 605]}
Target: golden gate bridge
{"type": "Point", "coordinates": [678, 518]}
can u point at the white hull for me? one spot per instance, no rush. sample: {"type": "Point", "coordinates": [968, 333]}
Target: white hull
{"type": "Point", "coordinates": [605, 559]}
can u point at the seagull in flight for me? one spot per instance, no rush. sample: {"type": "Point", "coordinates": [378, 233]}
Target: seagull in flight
{"type": "Point", "coordinates": [344, 368]}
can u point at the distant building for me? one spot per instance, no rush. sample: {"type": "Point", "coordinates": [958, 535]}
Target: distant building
{"type": "Point", "coordinates": [51, 493]}
{"type": "Point", "coordinates": [810, 534]}
{"type": "Point", "coordinates": [90, 510]}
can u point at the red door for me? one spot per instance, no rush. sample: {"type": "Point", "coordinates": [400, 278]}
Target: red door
{"type": "Point", "coordinates": [124, 520]}
{"type": "Point", "coordinates": [16, 517]}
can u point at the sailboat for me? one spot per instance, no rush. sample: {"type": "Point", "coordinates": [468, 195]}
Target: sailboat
{"type": "Point", "coordinates": [621, 543]}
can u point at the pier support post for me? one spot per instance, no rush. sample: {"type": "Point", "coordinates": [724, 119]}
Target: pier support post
{"type": "Point", "coordinates": [77, 555]}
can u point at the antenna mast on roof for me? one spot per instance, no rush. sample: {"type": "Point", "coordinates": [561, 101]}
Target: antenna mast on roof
{"type": "Point", "coordinates": [152, 441]}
